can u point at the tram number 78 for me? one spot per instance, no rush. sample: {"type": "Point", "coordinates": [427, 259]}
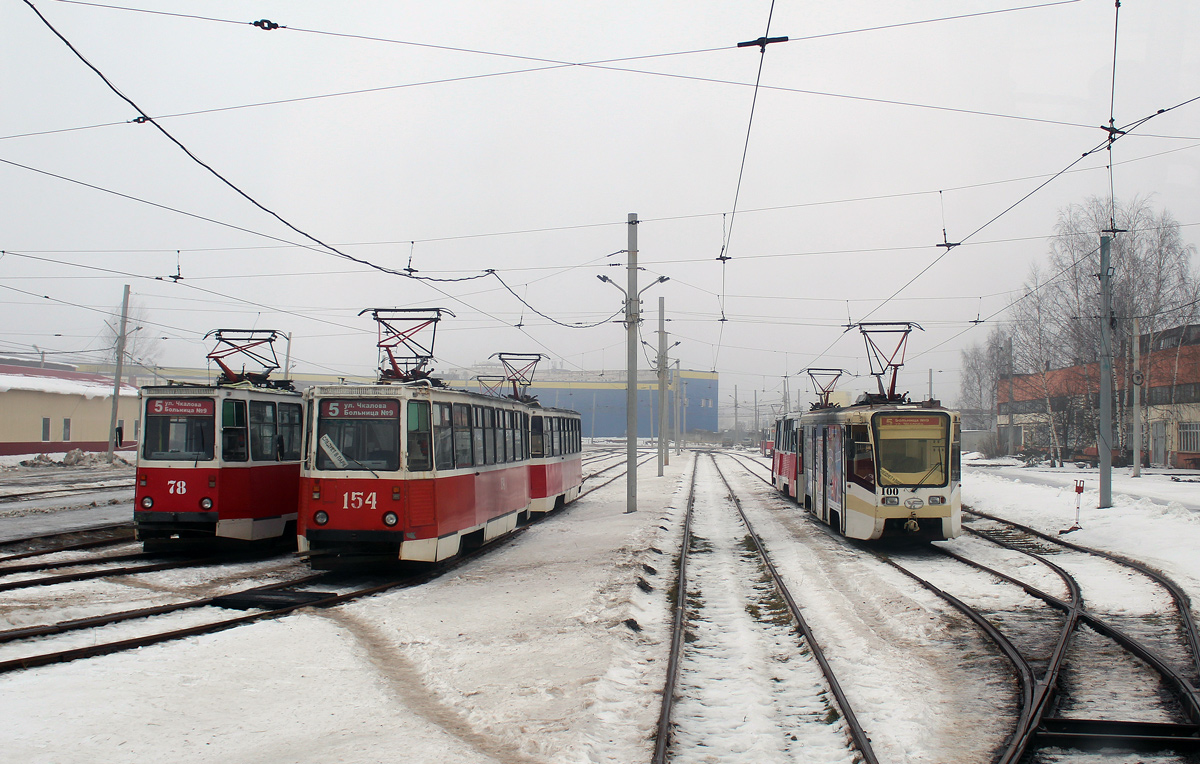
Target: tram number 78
{"type": "Point", "coordinates": [358, 500]}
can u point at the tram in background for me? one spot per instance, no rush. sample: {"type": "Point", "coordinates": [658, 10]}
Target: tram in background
{"type": "Point", "coordinates": [221, 461]}
{"type": "Point", "coordinates": [884, 466]}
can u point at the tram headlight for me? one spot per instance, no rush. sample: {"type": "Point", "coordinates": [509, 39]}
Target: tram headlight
{"type": "Point", "coordinates": [936, 500]}
{"type": "Point", "coordinates": [321, 517]}
{"type": "Point", "coordinates": [147, 502]}
{"type": "Point", "coordinates": [390, 519]}
{"type": "Point", "coordinates": [206, 503]}
{"type": "Point", "coordinates": [891, 501]}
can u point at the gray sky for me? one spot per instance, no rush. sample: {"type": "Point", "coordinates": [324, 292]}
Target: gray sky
{"type": "Point", "coordinates": [478, 148]}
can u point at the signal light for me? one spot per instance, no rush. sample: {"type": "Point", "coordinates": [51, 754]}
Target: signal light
{"type": "Point", "coordinates": [936, 500]}
{"type": "Point", "coordinates": [321, 517]}
{"type": "Point", "coordinates": [390, 519]}
{"type": "Point", "coordinates": [891, 501]}
{"type": "Point", "coordinates": [206, 503]}
{"type": "Point", "coordinates": [147, 502]}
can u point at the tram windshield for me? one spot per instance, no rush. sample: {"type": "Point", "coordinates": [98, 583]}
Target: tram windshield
{"type": "Point", "coordinates": [179, 429]}
{"type": "Point", "coordinates": [359, 434]}
{"type": "Point", "coordinates": [912, 449]}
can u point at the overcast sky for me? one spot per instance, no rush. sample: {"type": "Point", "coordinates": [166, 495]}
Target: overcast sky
{"type": "Point", "coordinates": [456, 137]}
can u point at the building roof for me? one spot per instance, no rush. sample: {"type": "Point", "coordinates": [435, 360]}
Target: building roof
{"type": "Point", "coordinates": [60, 382]}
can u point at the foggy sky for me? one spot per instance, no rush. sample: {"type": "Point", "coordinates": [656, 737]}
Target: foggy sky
{"type": "Point", "coordinates": [486, 144]}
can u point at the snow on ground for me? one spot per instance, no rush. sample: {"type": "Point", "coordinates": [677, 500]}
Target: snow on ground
{"type": "Point", "coordinates": [525, 655]}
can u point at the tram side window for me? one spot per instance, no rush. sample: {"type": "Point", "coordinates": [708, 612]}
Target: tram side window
{"type": "Point", "coordinates": [462, 435]}
{"type": "Point", "coordinates": [510, 435]}
{"type": "Point", "coordinates": [262, 431]}
{"type": "Point", "coordinates": [419, 453]}
{"type": "Point", "coordinates": [233, 431]}
{"type": "Point", "coordinates": [477, 435]}
{"type": "Point", "coordinates": [443, 437]}
{"type": "Point", "coordinates": [291, 424]}
{"type": "Point", "coordinates": [520, 427]}
{"type": "Point", "coordinates": [557, 429]}
{"type": "Point", "coordinates": [501, 427]}
{"type": "Point", "coordinates": [861, 456]}
{"type": "Point", "coordinates": [535, 437]}
{"type": "Point", "coordinates": [956, 452]}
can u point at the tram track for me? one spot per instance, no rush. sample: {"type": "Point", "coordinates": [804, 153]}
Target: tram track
{"type": "Point", "coordinates": [1086, 679]}
{"type": "Point", "coordinates": [269, 601]}
{"type": "Point", "coordinates": [49, 543]}
{"type": "Point", "coordinates": [725, 569]}
{"type": "Point", "coordinates": [1064, 655]}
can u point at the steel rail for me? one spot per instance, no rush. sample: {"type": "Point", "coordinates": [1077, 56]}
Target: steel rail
{"type": "Point", "coordinates": [858, 735]}
{"type": "Point", "coordinates": [662, 737]}
{"type": "Point", "coordinates": [71, 547]}
{"type": "Point", "coordinates": [92, 622]}
{"type": "Point", "coordinates": [70, 577]}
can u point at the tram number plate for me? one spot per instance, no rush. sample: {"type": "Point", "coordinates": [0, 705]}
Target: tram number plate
{"type": "Point", "coordinates": [176, 486]}
{"type": "Point", "coordinates": [358, 500]}
{"type": "Point", "coordinates": [891, 491]}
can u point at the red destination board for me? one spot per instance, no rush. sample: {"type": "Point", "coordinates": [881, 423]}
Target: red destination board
{"type": "Point", "coordinates": [180, 407]}
{"type": "Point", "coordinates": [360, 409]}
{"type": "Point", "coordinates": [911, 421]}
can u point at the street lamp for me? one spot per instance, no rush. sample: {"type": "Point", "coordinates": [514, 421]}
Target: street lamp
{"type": "Point", "coordinates": [632, 300]}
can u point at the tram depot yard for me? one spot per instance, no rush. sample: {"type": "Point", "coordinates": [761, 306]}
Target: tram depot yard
{"type": "Point", "coordinates": [552, 647]}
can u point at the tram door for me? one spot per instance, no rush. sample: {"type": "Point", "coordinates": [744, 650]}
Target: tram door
{"type": "Point", "coordinates": [814, 481]}
{"type": "Point", "coordinates": [833, 475]}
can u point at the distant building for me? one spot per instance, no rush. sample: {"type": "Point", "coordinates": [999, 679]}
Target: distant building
{"type": "Point", "coordinates": [1170, 399]}
{"type": "Point", "coordinates": [49, 410]}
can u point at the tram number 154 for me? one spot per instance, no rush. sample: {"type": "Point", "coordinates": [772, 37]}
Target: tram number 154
{"type": "Point", "coordinates": [358, 500]}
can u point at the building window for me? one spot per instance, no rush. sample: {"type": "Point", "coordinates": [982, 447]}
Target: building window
{"type": "Point", "coordinates": [66, 430]}
{"type": "Point", "coordinates": [45, 429]}
{"type": "Point", "coordinates": [1189, 436]}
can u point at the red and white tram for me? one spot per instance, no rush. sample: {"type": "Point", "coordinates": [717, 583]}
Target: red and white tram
{"type": "Point", "coordinates": [220, 461]}
{"type": "Point", "coordinates": [410, 471]}
{"type": "Point", "coordinates": [555, 464]}
{"type": "Point", "coordinates": [407, 469]}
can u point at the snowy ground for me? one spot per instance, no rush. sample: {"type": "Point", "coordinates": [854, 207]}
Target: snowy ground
{"type": "Point", "coordinates": [526, 655]}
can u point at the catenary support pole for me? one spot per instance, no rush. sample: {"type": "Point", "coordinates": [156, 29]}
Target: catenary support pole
{"type": "Point", "coordinates": [631, 322]}
{"type": "Point", "coordinates": [1137, 403]}
{"type": "Point", "coordinates": [1104, 437]}
{"type": "Point", "coordinates": [112, 421]}
{"type": "Point", "coordinates": [677, 389]}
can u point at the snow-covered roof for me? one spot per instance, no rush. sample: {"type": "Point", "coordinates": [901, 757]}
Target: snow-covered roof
{"type": "Point", "coordinates": [61, 382]}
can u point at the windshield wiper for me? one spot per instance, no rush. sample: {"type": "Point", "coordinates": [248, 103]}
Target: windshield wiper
{"type": "Point", "coordinates": [928, 472]}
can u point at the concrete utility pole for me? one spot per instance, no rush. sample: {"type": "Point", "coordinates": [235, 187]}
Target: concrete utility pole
{"type": "Point", "coordinates": [1012, 404]}
{"type": "Point", "coordinates": [1104, 437]}
{"type": "Point", "coordinates": [1138, 379]}
{"type": "Point", "coordinates": [662, 384]}
{"type": "Point", "coordinates": [631, 323]}
{"type": "Point", "coordinates": [112, 421]}
{"type": "Point", "coordinates": [677, 388]}
{"type": "Point", "coordinates": [736, 424]}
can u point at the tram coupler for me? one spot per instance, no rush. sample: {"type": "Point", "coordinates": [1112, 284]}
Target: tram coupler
{"type": "Point", "coordinates": [911, 525]}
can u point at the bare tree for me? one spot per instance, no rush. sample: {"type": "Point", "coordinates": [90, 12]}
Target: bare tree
{"type": "Point", "coordinates": [1037, 347]}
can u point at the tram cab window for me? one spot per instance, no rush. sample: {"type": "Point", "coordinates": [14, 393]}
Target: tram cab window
{"type": "Point", "coordinates": [262, 431]}
{"type": "Point", "coordinates": [443, 437]}
{"type": "Point", "coordinates": [420, 456]}
{"type": "Point", "coordinates": [291, 424]}
{"type": "Point", "coordinates": [462, 435]}
{"type": "Point", "coordinates": [233, 431]}
{"type": "Point", "coordinates": [913, 449]}
{"type": "Point", "coordinates": [535, 437]}
{"type": "Point", "coordinates": [179, 429]}
{"type": "Point", "coordinates": [362, 434]}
